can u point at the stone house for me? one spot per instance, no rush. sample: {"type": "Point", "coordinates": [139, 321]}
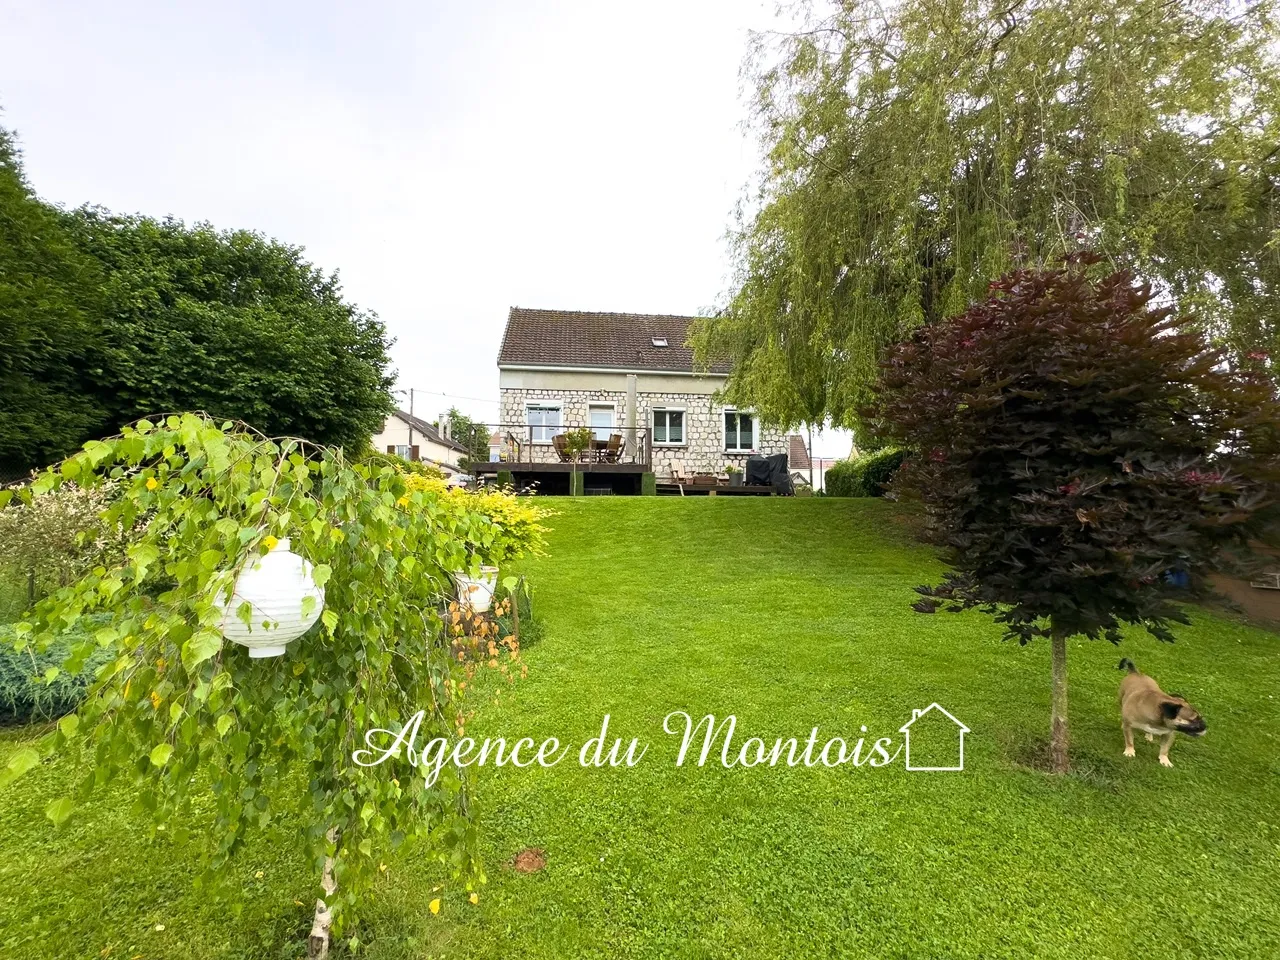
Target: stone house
{"type": "Point", "coordinates": [623, 374]}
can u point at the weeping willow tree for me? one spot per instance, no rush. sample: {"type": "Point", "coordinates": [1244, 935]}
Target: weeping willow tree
{"type": "Point", "coordinates": [917, 150]}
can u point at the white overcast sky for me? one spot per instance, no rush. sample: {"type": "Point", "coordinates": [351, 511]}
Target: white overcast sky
{"type": "Point", "coordinates": [450, 159]}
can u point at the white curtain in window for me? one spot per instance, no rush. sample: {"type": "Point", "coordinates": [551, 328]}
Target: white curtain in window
{"type": "Point", "coordinates": [601, 421]}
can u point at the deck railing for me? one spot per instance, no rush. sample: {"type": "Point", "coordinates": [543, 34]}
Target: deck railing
{"type": "Point", "coordinates": [522, 443]}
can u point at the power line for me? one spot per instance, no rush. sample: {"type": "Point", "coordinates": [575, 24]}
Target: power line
{"type": "Point", "coordinates": [451, 396]}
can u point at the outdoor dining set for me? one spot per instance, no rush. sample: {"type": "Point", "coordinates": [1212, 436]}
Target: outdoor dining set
{"type": "Point", "coordinates": [600, 451]}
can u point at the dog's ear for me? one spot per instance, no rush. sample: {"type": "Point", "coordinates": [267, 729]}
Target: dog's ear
{"type": "Point", "coordinates": [1169, 709]}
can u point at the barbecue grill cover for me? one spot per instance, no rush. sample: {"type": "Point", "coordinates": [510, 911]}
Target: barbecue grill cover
{"type": "Point", "coordinates": [770, 472]}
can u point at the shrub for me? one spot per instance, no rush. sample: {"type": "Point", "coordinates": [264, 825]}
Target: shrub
{"type": "Point", "coordinates": [505, 480]}
{"type": "Point", "coordinates": [48, 542]}
{"type": "Point", "coordinates": [872, 471]}
{"type": "Point", "coordinates": [838, 480]}
{"type": "Point", "coordinates": [865, 476]}
{"type": "Point", "coordinates": [1075, 444]}
{"type": "Point", "coordinates": [509, 526]}
{"type": "Point", "coordinates": [33, 687]}
{"type": "Point", "coordinates": [415, 467]}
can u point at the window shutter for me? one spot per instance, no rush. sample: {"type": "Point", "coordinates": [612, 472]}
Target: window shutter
{"type": "Point", "coordinates": [413, 453]}
{"type": "Point", "coordinates": [391, 448]}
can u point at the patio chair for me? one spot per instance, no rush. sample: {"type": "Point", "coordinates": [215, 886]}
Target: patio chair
{"type": "Point", "coordinates": [613, 450]}
{"type": "Point", "coordinates": [561, 443]}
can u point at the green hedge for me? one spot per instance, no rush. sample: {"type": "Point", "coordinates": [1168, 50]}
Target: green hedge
{"type": "Point", "coordinates": [648, 485]}
{"type": "Point", "coordinates": [505, 479]}
{"type": "Point", "coordinates": [864, 477]}
{"type": "Point", "coordinates": [25, 695]}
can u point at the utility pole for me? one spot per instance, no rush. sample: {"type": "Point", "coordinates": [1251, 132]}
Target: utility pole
{"type": "Point", "coordinates": [811, 487]}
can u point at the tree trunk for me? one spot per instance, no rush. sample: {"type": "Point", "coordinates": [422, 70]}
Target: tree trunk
{"type": "Point", "coordinates": [318, 941]}
{"type": "Point", "coordinates": [1060, 737]}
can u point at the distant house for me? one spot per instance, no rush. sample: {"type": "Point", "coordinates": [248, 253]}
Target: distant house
{"type": "Point", "coordinates": [630, 379]}
{"type": "Point", "coordinates": [416, 439]}
{"type": "Point", "coordinates": [798, 460]}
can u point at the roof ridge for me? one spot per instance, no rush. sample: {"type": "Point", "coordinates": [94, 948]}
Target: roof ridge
{"type": "Point", "coordinates": [608, 313]}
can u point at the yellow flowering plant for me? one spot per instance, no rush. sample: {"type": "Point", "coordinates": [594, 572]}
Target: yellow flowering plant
{"type": "Point", "coordinates": [498, 526]}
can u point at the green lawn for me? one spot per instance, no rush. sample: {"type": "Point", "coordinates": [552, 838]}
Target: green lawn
{"type": "Point", "coordinates": [789, 614]}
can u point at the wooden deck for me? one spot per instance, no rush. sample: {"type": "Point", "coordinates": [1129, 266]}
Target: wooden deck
{"type": "Point", "coordinates": [494, 467]}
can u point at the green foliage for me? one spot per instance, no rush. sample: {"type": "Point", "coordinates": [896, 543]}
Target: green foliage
{"type": "Point", "coordinates": [236, 325]}
{"type": "Point", "coordinates": [180, 714]}
{"type": "Point", "coordinates": [513, 525]}
{"type": "Point", "coordinates": [866, 476]}
{"type": "Point", "coordinates": [50, 325]}
{"type": "Point", "coordinates": [916, 151]}
{"type": "Point", "coordinates": [504, 479]}
{"type": "Point", "coordinates": [472, 435]}
{"type": "Point", "coordinates": [1075, 444]}
{"type": "Point", "coordinates": [52, 540]}
{"type": "Point", "coordinates": [108, 318]}
{"type": "Point", "coordinates": [415, 467]}
{"type": "Point", "coordinates": [838, 480]}
{"type": "Point", "coordinates": [33, 686]}
{"type": "Point", "coordinates": [648, 485]}
{"type": "Point", "coordinates": [514, 598]}
{"type": "Point", "coordinates": [577, 440]}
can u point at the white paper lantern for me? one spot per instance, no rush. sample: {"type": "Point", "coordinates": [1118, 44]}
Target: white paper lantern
{"type": "Point", "coordinates": [275, 586]}
{"type": "Point", "coordinates": [476, 593]}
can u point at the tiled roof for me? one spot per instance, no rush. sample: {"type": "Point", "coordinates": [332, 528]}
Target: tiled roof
{"type": "Point", "coordinates": [429, 431]}
{"type": "Point", "coordinates": [571, 338]}
{"type": "Point", "coordinates": [797, 453]}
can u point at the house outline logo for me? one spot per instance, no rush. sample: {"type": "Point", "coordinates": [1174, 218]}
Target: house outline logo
{"type": "Point", "coordinates": [905, 730]}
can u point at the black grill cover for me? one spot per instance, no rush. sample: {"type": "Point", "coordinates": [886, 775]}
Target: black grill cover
{"type": "Point", "coordinates": [770, 472]}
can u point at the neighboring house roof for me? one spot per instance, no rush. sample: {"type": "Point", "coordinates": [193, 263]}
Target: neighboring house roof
{"type": "Point", "coordinates": [495, 439]}
{"type": "Point", "coordinates": [572, 338]}
{"type": "Point", "coordinates": [797, 452]}
{"type": "Point", "coordinates": [429, 431]}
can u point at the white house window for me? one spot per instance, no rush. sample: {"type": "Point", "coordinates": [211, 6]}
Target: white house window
{"type": "Point", "coordinates": [659, 341]}
{"type": "Point", "coordinates": [668, 427]}
{"type": "Point", "coordinates": [739, 431]}
{"type": "Point", "coordinates": [544, 421]}
{"type": "Point", "coordinates": [601, 417]}
{"type": "Point", "coordinates": [404, 451]}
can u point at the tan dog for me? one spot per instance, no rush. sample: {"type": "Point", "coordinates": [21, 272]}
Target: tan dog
{"type": "Point", "coordinates": [1144, 706]}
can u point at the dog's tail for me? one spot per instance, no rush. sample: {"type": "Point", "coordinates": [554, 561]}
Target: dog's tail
{"type": "Point", "coordinates": [1127, 664]}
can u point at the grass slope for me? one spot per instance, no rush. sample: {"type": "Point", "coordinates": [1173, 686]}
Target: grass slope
{"type": "Point", "coordinates": [789, 614]}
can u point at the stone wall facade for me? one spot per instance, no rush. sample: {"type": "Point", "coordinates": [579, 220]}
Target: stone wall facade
{"type": "Point", "coordinates": [703, 449]}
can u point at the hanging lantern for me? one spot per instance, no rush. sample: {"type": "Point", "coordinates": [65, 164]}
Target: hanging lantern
{"type": "Point", "coordinates": [275, 586]}
{"type": "Point", "coordinates": [475, 594]}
